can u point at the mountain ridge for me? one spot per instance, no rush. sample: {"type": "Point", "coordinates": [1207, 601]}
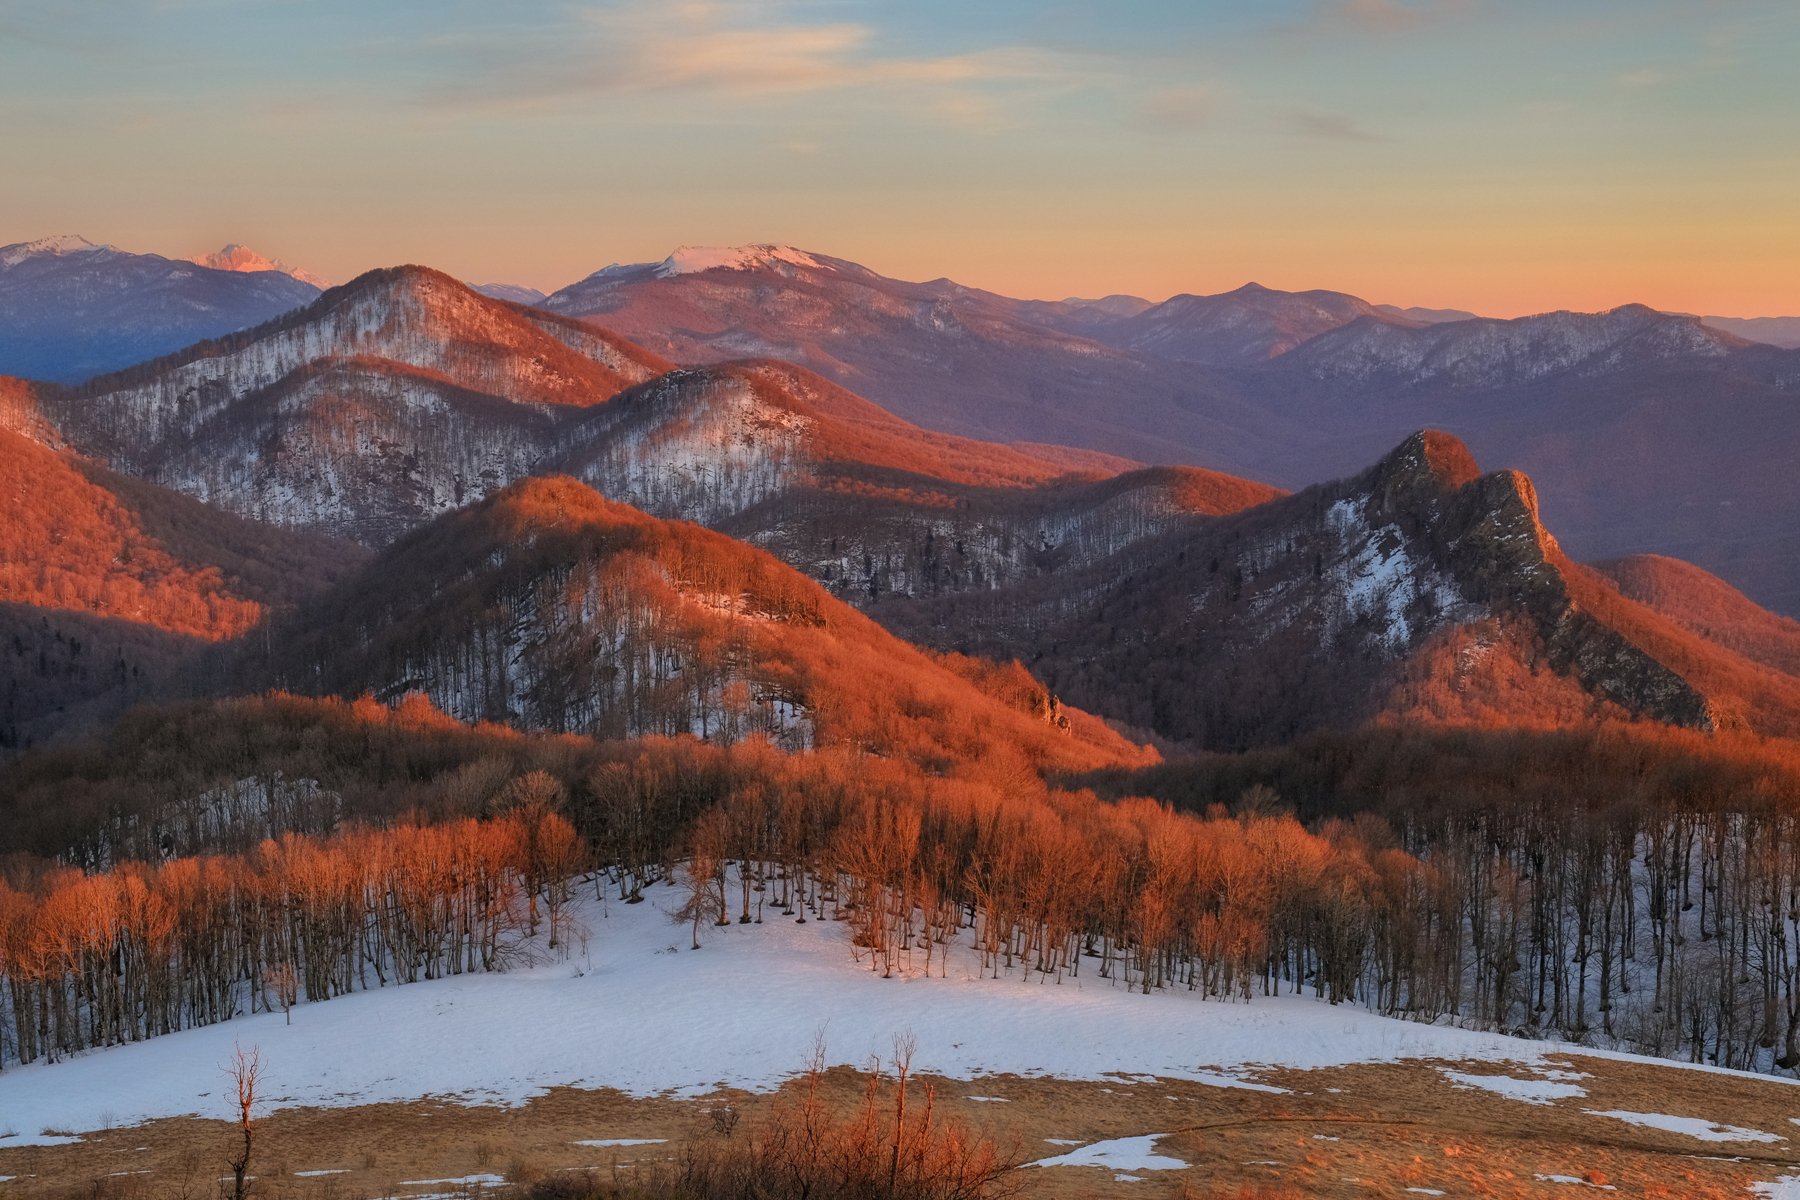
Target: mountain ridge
{"type": "Point", "coordinates": [71, 309]}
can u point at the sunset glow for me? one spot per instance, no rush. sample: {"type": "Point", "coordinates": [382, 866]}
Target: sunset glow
{"type": "Point", "coordinates": [1500, 158]}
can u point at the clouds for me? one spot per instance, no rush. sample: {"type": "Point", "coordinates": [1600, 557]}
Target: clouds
{"type": "Point", "coordinates": [1182, 108]}
{"type": "Point", "coordinates": [1336, 127]}
{"type": "Point", "coordinates": [740, 52]}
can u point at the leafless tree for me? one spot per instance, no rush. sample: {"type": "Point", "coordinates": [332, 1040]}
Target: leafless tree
{"type": "Point", "coordinates": [245, 1070]}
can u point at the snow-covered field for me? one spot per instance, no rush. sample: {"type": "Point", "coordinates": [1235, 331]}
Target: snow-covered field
{"type": "Point", "coordinates": [641, 1012]}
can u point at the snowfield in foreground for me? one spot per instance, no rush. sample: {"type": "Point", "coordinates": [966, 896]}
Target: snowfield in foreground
{"type": "Point", "coordinates": [641, 1012]}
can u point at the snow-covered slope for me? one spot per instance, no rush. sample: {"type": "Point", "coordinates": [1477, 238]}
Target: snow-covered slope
{"type": "Point", "coordinates": [632, 1008]}
{"type": "Point", "coordinates": [70, 309]}
{"type": "Point", "coordinates": [866, 503]}
{"type": "Point", "coordinates": [390, 399]}
{"type": "Point", "coordinates": [1490, 353]}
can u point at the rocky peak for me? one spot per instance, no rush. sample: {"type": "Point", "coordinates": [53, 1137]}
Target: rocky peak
{"type": "Point", "coordinates": [1430, 460]}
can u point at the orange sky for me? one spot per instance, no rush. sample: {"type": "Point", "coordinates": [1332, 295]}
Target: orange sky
{"type": "Point", "coordinates": [1457, 153]}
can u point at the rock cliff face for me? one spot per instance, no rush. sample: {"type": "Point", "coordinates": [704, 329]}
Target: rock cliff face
{"type": "Point", "coordinates": [1420, 588]}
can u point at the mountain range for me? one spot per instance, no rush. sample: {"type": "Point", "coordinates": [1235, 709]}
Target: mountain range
{"type": "Point", "coordinates": [1644, 432]}
{"type": "Point", "coordinates": [465, 443]}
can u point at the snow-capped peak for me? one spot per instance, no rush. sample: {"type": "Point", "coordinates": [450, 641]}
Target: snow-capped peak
{"type": "Point", "coordinates": [689, 260]}
{"type": "Point", "coordinates": [62, 243]}
{"type": "Point", "coordinates": [235, 257]}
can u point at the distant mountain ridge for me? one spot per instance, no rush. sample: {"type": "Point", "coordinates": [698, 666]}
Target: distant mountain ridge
{"type": "Point", "coordinates": [71, 309]}
{"type": "Point", "coordinates": [404, 394]}
{"type": "Point", "coordinates": [1622, 418]}
{"type": "Point", "coordinates": [1200, 608]}
{"type": "Point", "coordinates": [1771, 331]}
{"type": "Point", "coordinates": [1645, 431]}
{"type": "Point", "coordinates": [1241, 328]}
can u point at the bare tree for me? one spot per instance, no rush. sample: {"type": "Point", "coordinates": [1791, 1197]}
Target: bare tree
{"type": "Point", "coordinates": [245, 1071]}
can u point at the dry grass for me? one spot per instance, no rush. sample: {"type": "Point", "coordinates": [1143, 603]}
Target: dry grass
{"type": "Point", "coordinates": [1357, 1131]}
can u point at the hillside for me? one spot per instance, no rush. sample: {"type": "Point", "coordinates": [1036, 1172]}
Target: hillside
{"type": "Point", "coordinates": [70, 309]}
{"type": "Point", "coordinates": [386, 401]}
{"type": "Point", "coordinates": [107, 583]}
{"type": "Point", "coordinates": [551, 608]}
{"type": "Point", "coordinates": [1709, 607]}
{"type": "Point", "coordinates": [865, 502]}
{"type": "Point", "coordinates": [1418, 590]}
{"type": "Point", "coordinates": [1284, 1096]}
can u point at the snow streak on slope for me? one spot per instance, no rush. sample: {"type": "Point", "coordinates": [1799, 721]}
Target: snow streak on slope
{"type": "Point", "coordinates": [697, 447]}
{"type": "Point", "coordinates": [1375, 578]}
{"type": "Point", "coordinates": [635, 1010]}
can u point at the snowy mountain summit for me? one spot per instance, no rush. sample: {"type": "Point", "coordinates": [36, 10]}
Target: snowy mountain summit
{"type": "Point", "coordinates": [243, 259]}
{"type": "Point", "coordinates": [56, 245]}
{"type": "Point", "coordinates": [691, 260]}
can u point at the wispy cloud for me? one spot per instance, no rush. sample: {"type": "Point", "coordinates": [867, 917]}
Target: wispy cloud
{"type": "Point", "coordinates": [1181, 109]}
{"type": "Point", "coordinates": [739, 51]}
{"type": "Point", "coordinates": [1330, 126]}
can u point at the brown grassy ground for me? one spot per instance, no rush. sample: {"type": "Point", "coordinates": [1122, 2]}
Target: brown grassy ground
{"type": "Point", "coordinates": [1354, 1131]}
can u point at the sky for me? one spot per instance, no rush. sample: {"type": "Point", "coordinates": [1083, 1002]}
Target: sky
{"type": "Point", "coordinates": [1504, 156]}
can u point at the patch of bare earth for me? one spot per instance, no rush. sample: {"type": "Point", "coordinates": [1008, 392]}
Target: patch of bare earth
{"type": "Point", "coordinates": [1395, 1130]}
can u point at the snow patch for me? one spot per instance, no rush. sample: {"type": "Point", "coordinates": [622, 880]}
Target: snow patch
{"type": "Point", "coordinates": [1531, 1091]}
{"type": "Point", "coordinates": [1219, 1079]}
{"type": "Point", "coordinates": [1694, 1127]}
{"type": "Point", "coordinates": [1117, 1154]}
{"type": "Point", "coordinates": [1576, 1179]}
{"type": "Point", "coordinates": [1376, 579]}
